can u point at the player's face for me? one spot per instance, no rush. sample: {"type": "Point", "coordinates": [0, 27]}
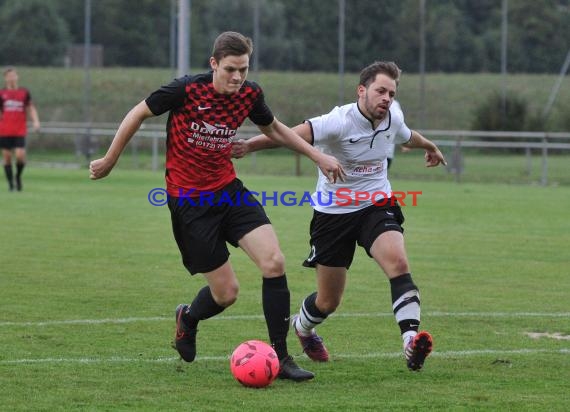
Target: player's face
{"type": "Point", "coordinates": [229, 73]}
{"type": "Point", "coordinates": [11, 78]}
{"type": "Point", "coordinates": [375, 100]}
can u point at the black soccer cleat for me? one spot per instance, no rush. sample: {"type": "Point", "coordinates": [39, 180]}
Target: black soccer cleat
{"type": "Point", "coordinates": [417, 350]}
{"type": "Point", "coordinates": [185, 337]}
{"type": "Point", "coordinates": [288, 369]}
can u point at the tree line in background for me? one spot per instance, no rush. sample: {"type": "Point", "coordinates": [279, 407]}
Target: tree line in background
{"type": "Point", "coordinates": [461, 35]}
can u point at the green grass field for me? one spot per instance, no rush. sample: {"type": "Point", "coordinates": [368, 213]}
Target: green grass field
{"type": "Point", "coordinates": [90, 278]}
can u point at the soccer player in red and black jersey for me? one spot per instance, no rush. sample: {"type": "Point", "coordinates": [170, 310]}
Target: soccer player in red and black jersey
{"type": "Point", "coordinates": [205, 112]}
{"type": "Point", "coordinates": [15, 103]}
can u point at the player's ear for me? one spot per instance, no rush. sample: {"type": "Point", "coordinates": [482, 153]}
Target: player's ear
{"type": "Point", "coordinates": [213, 63]}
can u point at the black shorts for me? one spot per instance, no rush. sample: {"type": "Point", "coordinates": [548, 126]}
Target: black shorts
{"type": "Point", "coordinates": [202, 228]}
{"type": "Point", "coordinates": [12, 142]}
{"type": "Point", "coordinates": [334, 236]}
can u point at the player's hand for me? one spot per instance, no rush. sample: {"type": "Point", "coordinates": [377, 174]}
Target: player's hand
{"type": "Point", "coordinates": [100, 168]}
{"type": "Point", "coordinates": [434, 158]}
{"type": "Point", "coordinates": [36, 126]}
{"type": "Point", "coordinates": [239, 148]}
{"type": "Point", "coordinates": [331, 168]}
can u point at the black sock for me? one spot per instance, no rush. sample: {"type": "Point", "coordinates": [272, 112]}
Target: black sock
{"type": "Point", "coordinates": [406, 302]}
{"type": "Point", "coordinates": [203, 307]}
{"type": "Point", "coordinates": [276, 308]}
{"type": "Point", "coordinates": [19, 170]}
{"type": "Point", "coordinates": [310, 303]}
{"type": "Point", "coordinates": [9, 175]}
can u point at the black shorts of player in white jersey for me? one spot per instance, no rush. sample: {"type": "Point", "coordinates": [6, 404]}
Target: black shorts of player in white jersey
{"type": "Point", "coordinates": [334, 236]}
{"type": "Point", "coordinates": [202, 228]}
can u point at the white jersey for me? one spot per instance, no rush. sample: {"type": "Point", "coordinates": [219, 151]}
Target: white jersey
{"type": "Point", "coordinates": [362, 150]}
{"type": "Point", "coordinates": [391, 148]}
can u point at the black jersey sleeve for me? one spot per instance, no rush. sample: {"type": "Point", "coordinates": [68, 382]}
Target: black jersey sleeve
{"type": "Point", "coordinates": [260, 113]}
{"type": "Point", "coordinates": [168, 97]}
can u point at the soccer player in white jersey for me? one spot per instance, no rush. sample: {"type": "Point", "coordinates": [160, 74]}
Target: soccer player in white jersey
{"type": "Point", "coordinates": [359, 135]}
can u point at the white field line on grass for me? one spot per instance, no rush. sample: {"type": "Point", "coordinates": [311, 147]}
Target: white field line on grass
{"type": "Point", "coordinates": [373, 355]}
{"type": "Point", "coordinates": [259, 317]}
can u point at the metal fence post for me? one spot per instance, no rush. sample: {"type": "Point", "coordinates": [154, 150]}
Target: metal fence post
{"type": "Point", "coordinates": [154, 153]}
{"type": "Point", "coordinates": [135, 153]}
{"type": "Point", "coordinates": [458, 161]}
{"type": "Point", "coordinates": [544, 178]}
{"type": "Point", "coordinates": [528, 161]}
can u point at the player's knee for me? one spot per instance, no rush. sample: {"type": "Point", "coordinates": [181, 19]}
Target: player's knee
{"type": "Point", "coordinates": [273, 264]}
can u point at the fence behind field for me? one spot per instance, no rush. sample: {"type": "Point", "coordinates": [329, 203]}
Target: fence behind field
{"type": "Point", "coordinates": [74, 144]}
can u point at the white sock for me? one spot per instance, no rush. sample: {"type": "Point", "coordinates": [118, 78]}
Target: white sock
{"type": "Point", "coordinates": [301, 330]}
{"type": "Point", "coordinates": [306, 321]}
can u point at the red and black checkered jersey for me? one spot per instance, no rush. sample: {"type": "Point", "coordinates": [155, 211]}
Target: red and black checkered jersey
{"type": "Point", "coordinates": [200, 128]}
{"type": "Point", "coordinates": [13, 104]}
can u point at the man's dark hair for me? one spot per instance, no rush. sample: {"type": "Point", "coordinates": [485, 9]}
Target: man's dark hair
{"type": "Point", "coordinates": [231, 43]}
{"type": "Point", "coordinates": [8, 70]}
{"type": "Point", "coordinates": [369, 73]}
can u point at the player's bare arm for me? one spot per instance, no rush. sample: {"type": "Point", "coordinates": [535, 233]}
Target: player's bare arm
{"type": "Point", "coordinates": [242, 147]}
{"type": "Point", "coordinates": [261, 142]}
{"type": "Point", "coordinates": [131, 123]}
{"type": "Point", "coordinates": [285, 136]}
{"type": "Point", "coordinates": [433, 156]}
{"type": "Point", "coordinates": [33, 113]}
